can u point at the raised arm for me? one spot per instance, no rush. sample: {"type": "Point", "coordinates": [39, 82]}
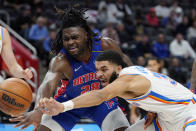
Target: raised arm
{"type": "Point", "coordinates": [109, 44]}
{"type": "Point", "coordinates": [8, 56]}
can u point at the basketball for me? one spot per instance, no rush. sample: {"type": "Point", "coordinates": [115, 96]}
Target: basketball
{"type": "Point", "coordinates": [15, 96]}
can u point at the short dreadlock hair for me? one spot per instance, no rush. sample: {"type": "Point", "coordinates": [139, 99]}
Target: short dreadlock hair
{"type": "Point", "coordinates": [71, 17]}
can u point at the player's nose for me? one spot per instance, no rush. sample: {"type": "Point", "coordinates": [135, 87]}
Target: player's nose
{"type": "Point", "coordinates": [99, 74]}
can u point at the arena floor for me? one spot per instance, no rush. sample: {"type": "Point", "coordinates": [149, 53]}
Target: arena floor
{"type": "Point", "coordinates": [78, 127]}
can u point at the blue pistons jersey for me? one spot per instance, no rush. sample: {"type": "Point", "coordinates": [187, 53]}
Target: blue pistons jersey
{"type": "Point", "coordinates": [84, 75]}
{"type": "Point", "coordinates": [84, 80]}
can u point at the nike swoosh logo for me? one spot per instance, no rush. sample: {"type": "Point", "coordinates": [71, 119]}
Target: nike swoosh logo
{"type": "Point", "coordinates": [76, 69]}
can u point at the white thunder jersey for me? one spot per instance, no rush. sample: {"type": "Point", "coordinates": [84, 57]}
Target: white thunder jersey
{"type": "Point", "coordinates": [174, 103]}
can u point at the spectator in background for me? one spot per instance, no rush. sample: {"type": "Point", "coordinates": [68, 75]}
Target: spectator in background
{"type": "Point", "coordinates": [175, 7]}
{"type": "Point", "coordinates": [38, 31]}
{"type": "Point", "coordinates": [181, 48]}
{"type": "Point", "coordinates": [151, 18]}
{"type": "Point", "coordinates": [192, 16]}
{"type": "Point", "coordinates": [163, 66]}
{"type": "Point", "coordinates": [162, 10]}
{"type": "Point", "coordinates": [113, 14]}
{"type": "Point", "coordinates": [47, 46]}
{"type": "Point", "coordinates": [138, 22]}
{"type": "Point", "coordinates": [123, 34]}
{"type": "Point", "coordinates": [160, 48]}
{"type": "Point", "coordinates": [143, 47]}
{"type": "Point", "coordinates": [178, 15]}
{"type": "Point", "coordinates": [124, 7]}
{"type": "Point", "coordinates": [191, 34]}
{"type": "Point", "coordinates": [153, 64]}
{"type": "Point", "coordinates": [169, 23]}
{"type": "Point", "coordinates": [91, 16]}
{"type": "Point", "coordinates": [182, 27]}
{"type": "Point", "coordinates": [176, 71]}
{"type": "Point", "coordinates": [37, 34]}
{"type": "Point", "coordinates": [141, 61]}
{"type": "Point", "coordinates": [156, 65]}
{"type": "Point", "coordinates": [109, 31]}
{"type": "Point", "coordinates": [24, 20]}
{"type": "Point", "coordinates": [102, 14]}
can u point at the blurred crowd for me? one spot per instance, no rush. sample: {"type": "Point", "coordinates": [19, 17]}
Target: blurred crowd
{"type": "Point", "coordinates": [162, 29]}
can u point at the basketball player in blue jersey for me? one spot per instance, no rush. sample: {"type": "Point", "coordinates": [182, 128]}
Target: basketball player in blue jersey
{"type": "Point", "coordinates": [174, 104]}
{"type": "Point", "coordinates": [76, 48]}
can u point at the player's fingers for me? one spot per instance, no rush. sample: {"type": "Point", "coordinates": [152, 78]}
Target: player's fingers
{"type": "Point", "coordinates": [28, 73]}
{"type": "Point", "coordinates": [26, 125]}
{"type": "Point", "coordinates": [148, 122]}
{"type": "Point", "coordinates": [36, 127]}
{"type": "Point", "coordinates": [17, 118]}
{"type": "Point", "coordinates": [21, 123]}
{"type": "Point", "coordinates": [46, 102]}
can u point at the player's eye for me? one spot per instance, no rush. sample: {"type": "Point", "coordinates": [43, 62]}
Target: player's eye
{"type": "Point", "coordinates": [74, 37]}
{"type": "Point", "coordinates": [66, 38]}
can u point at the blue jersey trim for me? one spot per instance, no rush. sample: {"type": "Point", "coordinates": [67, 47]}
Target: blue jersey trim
{"type": "Point", "coordinates": [192, 123]}
{"type": "Point", "coordinates": [156, 95]}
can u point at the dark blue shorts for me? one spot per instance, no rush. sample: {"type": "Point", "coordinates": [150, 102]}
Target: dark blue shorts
{"type": "Point", "coordinates": [96, 113]}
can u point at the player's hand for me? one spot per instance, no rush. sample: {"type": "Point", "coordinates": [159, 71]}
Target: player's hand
{"type": "Point", "coordinates": [27, 74]}
{"type": "Point", "coordinates": [149, 120]}
{"type": "Point", "coordinates": [50, 106]}
{"type": "Point", "coordinates": [30, 118]}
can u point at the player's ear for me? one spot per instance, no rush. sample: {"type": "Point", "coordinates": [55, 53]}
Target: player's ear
{"type": "Point", "coordinates": [119, 68]}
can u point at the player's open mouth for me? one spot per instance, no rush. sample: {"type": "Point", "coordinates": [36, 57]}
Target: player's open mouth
{"type": "Point", "coordinates": [73, 49]}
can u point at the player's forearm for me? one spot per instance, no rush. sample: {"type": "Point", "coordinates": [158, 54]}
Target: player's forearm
{"type": "Point", "coordinates": [88, 99]}
{"type": "Point", "coordinates": [16, 70]}
{"type": "Point", "coordinates": [43, 91]}
{"type": "Point", "coordinates": [193, 76]}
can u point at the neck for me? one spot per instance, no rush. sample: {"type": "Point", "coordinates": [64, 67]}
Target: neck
{"type": "Point", "coordinates": [85, 56]}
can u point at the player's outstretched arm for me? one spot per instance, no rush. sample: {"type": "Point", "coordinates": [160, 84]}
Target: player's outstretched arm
{"type": "Point", "coordinates": [46, 89]}
{"type": "Point", "coordinates": [135, 84]}
{"type": "Point", "coordinates": [8, 56]}
{"type": "Point", "coordinates": [91, 98]}
{"type": "Point", "coordinates": [193, 77]}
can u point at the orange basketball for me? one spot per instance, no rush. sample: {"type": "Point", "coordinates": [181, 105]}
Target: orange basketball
{"type": "Point", "coordinates": [15, 96]}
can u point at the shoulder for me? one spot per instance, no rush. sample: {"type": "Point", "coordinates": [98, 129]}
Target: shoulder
{"type": "Point", "coordinates": [132, 70]}
{"type": "Point", "coordinates": [60, 64]}
{"type": "Point", "coordinates": [108, 43]}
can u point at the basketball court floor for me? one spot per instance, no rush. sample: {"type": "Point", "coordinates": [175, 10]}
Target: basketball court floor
{"type": "Point", "coordinates": [78, 127]}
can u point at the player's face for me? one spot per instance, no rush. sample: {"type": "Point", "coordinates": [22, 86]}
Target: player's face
{"type": "Point", "coordinates": [153, 65]}
{"type": "Point", "coordinates": [107, 72]}
{"type": "Point", "coordinates": [74, 40]}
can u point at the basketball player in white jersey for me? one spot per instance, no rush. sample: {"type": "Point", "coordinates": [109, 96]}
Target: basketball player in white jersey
{"type": "Point", "coordinates": [8, 56]}
{"type": "Point", "coordinates": [174, 104]}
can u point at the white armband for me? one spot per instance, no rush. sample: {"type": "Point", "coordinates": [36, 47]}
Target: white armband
{"type": "Point", "coordinates": [68, 105]}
